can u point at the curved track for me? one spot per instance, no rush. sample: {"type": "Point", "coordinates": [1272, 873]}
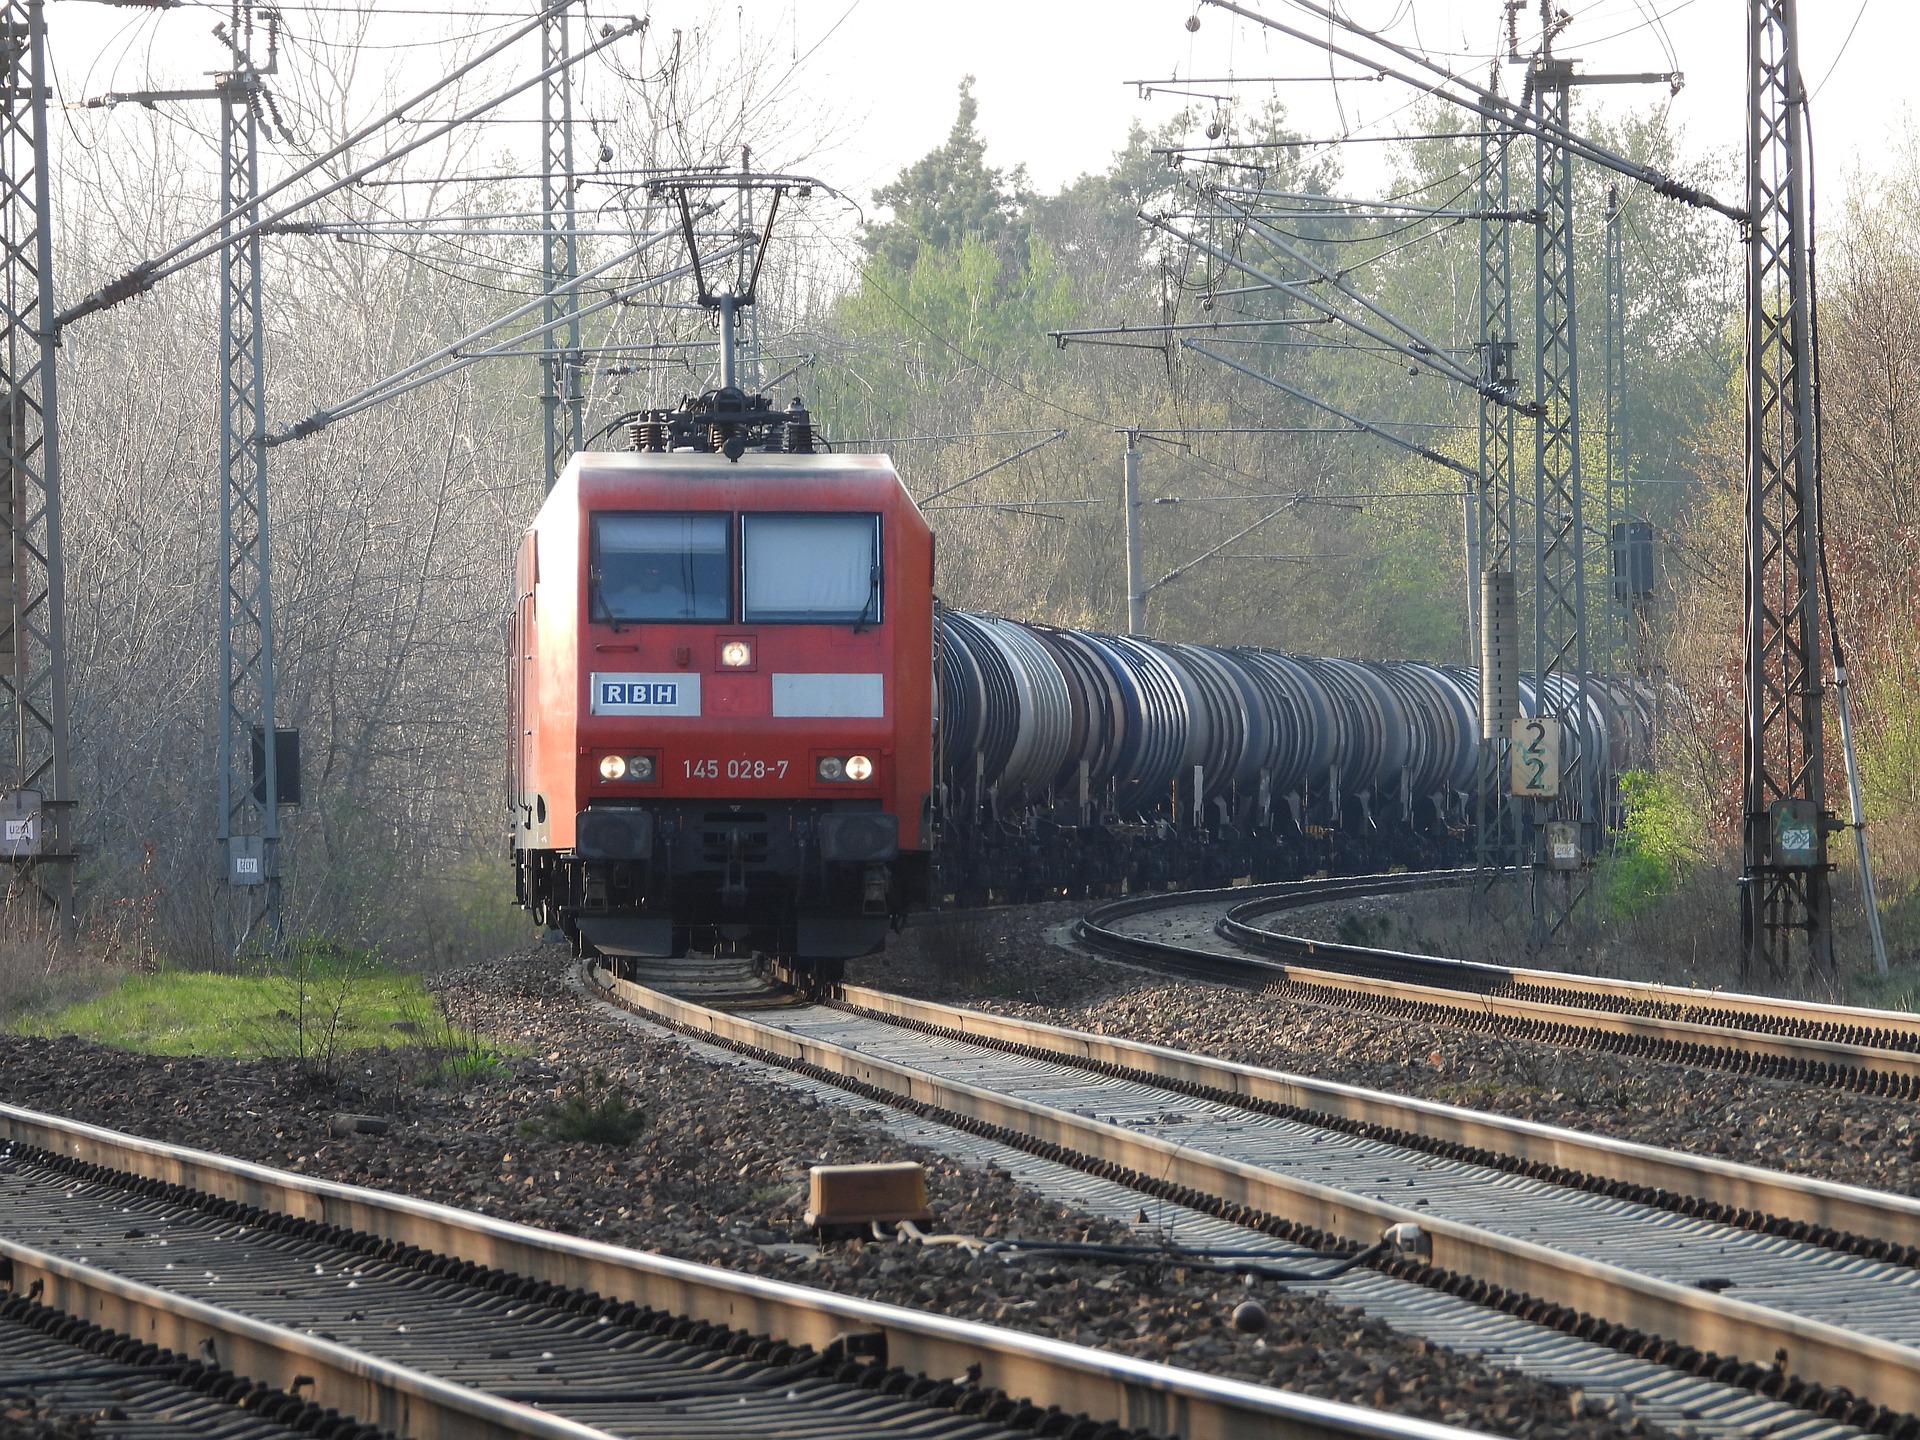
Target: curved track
{"type": "Point", "coordinates": [1231, 937]}
{"type": "Point", "coordinates": [477, 1327]}
{"type": "Point", "coordinates": [1714, 1268]}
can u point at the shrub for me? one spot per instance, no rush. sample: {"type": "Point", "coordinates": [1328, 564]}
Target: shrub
{"type": "Point", "coordinates": [610, 1120]}
{"type": "Point", "coordinates": [1659, 844]}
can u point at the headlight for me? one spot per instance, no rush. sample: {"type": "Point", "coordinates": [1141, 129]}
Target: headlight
{"type": "Point", "coordinates": [829, 768]}
{"type": "Point", "coordinates": [859, 767]}
{"type": "Point", "coordinates": [736, 654]}
{"type": "Point", "coordinates": [612, 767]}
{"type": "Point", "coordinates": [640, 767]}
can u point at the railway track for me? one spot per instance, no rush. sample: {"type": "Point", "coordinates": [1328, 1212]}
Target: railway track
{"type": "Point", "coordinates": [1791, 1288]}
{"type": "Point", "coordinates": [352, 1312]}
{"type": "Point", "coordinates": [1232, 937]}
{"type": "Point", "coordinates": [55, 1368]}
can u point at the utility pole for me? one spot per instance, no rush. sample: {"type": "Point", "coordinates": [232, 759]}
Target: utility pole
{"type": "Point", "coordinates": [249, 813]}
{"type": "Point", "coordinates": [1784, 881]}
{"type": "Point", "coordinates": [1565, 825]}
{"type": "Point", "coordinates": [562, 398]}
{"type": "Point", "coordinates": [1620, 540]}
{"type": "Point", "coordinates": [1616, 549]}
{"type": "Point", "coordinates": [1497, 822]}
{"type": "Point", "coordinates": [1130, 509]}
{"type": "Point", "coordinates": [1568, 822]}
{"type": "Point", "coordinates": [251, 783]}
{"type": "Point", "coordinates": [36, 804]}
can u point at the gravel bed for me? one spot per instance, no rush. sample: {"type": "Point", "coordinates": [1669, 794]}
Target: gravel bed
{"type": "Point", "coordinates": [718, 1175]}
{"type": "Point", "coordinates": [1017, 962]}
{"type": "Point", "coordinates": [24, 1415]}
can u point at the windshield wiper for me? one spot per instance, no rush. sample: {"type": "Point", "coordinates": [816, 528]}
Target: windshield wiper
{"type": "Point", "coordinates": [873, 594]}
{"type": "Point", "coordinates": [597, 603]}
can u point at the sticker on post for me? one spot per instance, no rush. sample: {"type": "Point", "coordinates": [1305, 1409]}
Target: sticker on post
{"type": "Point", "coordinates": [1564, 851]}
{"type": "Point", "coordinates": [246, 860]}
{"type": "Point", "coordinates": [1796, 835]}
{"type": "Point", "coordinates": [20, 831]}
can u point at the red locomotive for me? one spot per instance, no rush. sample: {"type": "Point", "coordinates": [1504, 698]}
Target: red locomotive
{"type": "Point", "coordinates": [722, 693]}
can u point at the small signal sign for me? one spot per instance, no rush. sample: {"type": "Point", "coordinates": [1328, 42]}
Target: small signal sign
{"type": "Point", "coordinates": [1536, 757]}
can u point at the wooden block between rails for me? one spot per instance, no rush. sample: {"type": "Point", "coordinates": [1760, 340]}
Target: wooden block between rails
{"type": "Point", "coordinates": [862, 1194]}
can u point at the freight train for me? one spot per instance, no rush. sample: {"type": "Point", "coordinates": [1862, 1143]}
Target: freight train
{"type": "Point", "coordinates": [741, 719]}
{"type": "Point", "coordinates": [1078, 762]}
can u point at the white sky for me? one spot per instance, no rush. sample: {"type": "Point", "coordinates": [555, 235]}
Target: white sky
{"type": "Point", "coordinates": [1050, 75]}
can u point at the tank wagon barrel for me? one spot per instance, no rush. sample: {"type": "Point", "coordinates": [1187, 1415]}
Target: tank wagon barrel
{"type": "Point", "coordinates": [1205, 763]}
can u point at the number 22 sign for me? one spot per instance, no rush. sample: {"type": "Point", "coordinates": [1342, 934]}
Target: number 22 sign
{"type": "Point", "coordinates": [1536, 757]}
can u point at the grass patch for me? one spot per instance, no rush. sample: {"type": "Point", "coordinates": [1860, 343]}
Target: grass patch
{"type": "Point", "coordinates": [466, 1063]}
{"type": "Point", "coordinates": [1899, 990]}
{"type": "Point", "coordinates": [192, 1012]}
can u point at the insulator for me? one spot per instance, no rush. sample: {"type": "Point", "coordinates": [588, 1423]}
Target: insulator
{"type": "Point", "coordinates": [799, 429]}
{"type": "Point", "coordinates": [650, 433]}
{"type": "Point", "coordinates": [1499, 653]}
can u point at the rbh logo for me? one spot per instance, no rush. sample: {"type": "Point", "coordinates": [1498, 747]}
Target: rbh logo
{"type": "Point", "coordinates": [662, 694]}
{"type": "Point", "coordinates": [673, 692]}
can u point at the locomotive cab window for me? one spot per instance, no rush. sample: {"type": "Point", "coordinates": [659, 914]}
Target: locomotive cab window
{"type": "Point", "coordinates": [819, 569]}
{"type": "Point", "coordinates": [660, 567]}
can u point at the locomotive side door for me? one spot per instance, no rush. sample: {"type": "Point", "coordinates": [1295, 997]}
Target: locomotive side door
{"type": "Point", "coordinates": [522, 682]}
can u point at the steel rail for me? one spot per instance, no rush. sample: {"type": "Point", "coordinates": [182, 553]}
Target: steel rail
{"type": "Point", "coordinates": [1793, 1200]}
{"type": "Point", "coordinates": [399, 1400]}
{"type": "Point", "coordinates": [1721, 1330]}
{"type": "Point", "coordinates": [1891, 1029]}
{"type": "Point", "coordinates": [1871, 1050]}
{"type": "Point", "coordinates": [1134, 1393]}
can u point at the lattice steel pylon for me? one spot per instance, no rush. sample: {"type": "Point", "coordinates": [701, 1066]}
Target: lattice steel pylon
{"type": "Point", "coordinates": [1560, 880]}
{"type": "Point", "coordinates": [36, 808]}
{"type": "Point", "coordinates": [562, 396]}
{"type": "Point", "coordinates": [1784, 872]}
{"type": "Point", "coordinates": [1497, 833]}
{"type": "Point", "coordinates": [249, 820]}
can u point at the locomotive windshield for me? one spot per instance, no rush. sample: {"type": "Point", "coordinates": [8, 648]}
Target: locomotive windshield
{"type": "Point", "coordinates": [661, 567]}
{"type": "Point", "coordinates": [819, 568]}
